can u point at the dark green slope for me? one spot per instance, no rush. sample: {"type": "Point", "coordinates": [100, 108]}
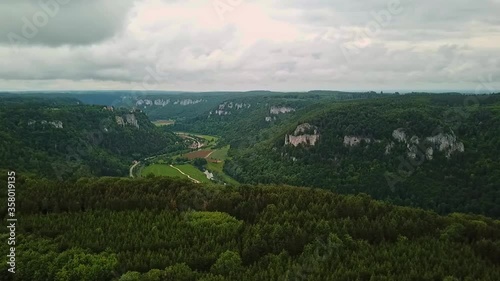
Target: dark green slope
{"type": "Point", "coordinates": [248, 118]}
{"type": "Point", "coordinates": [64, 139]}
{"type": "Point", "coordinates": [407, 150]}
{"type": "Point", "coordinates": [162, 229]}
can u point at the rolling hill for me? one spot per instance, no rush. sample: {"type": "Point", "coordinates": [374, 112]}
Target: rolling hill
{"type": "Point", "coordinates": [63, 138]}
{"type": "Point", "coordinates": [433, 151]}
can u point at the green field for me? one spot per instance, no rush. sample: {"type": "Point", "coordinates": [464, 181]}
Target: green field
{"type": "Point", "coordinates": [167, 171]}
{"type": "Point", "coordinates": [208, 138]}
{"type": "Point", "coordinates": [193, 172]}
{"type": "Point", "coordinates": [162, 170]}
{"type": "Point", "coordinates": [220, 154]}
{"type": "Point", "coordinates": [218, 167]}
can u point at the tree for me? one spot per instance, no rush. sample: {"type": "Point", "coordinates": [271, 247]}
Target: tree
{"type": "Point", "coordinates": [180, 272]}
{"type": "Point", "coordinates": [229, 263]}
{"type": "Point", "coordinates": [200, 162]}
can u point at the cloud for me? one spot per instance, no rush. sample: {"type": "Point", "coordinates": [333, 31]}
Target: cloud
{"type": "Point", "coordinates": [259, 44]}
{"type": "Point", "coordinates": [61, 22]}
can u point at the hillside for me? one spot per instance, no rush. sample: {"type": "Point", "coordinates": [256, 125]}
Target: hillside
{"type": "Point", "coordinates": [244, 119]}
{"type": "Point", "coordinates": [432, 151]}
{"type": "Point", "coordinates": [162, 229]}
{"type": "Point", "coordinates": [64, 139]}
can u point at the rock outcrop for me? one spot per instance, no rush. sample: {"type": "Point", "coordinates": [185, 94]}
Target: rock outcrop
{"type": "Point", "coordinates": [165, 102]}
{"type": "Point", "coordinates": [305, 134]}
{"type": "Point", "coordinates": [446, 143]}
{"type": "Point", "coordinates": [355, 140]}
{"type": "Point", "coordinates": [127, 119]}
{"type": "Point", "coordinates": [280, 110]}
{"type": "Point", "coordinates": [131, 120]}
{"type": "Point", "coordinates": [54, 124]}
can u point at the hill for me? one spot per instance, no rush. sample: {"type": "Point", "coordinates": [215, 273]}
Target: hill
{"type": "Point", "coordinates": [245, 119]}
{"type": "Point", "coordinates": [65, 139]}
{"type": "Point", "coordinates": [431, 151]}
{"type": "Point", "coordinates": [162, 229]}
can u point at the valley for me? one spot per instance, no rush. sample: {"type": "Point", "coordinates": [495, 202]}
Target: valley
{"type": "Point", "coordinates": [230, 140]}
{"type": "Point", "coordinates": [253, 188]}
{"type": "Point", "coordinates": [203, 163]}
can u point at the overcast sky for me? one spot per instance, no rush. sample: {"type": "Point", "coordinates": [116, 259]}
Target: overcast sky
{"type": "Point", "coordinates": [289, 45]}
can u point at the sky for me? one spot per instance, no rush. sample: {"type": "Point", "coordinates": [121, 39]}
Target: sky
{"type": "Point", "coordinates": [239, 45]}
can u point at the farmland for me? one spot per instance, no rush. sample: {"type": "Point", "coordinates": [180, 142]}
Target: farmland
{"type": "Point", "coordinates": [193, 172]}
{"type": "Point", "coordinates": [162, 170]}
{"type": "Point", "coordinates": [182, 165]}
{"type": "Point", "coordinates": [175, 172]}
{"type": "Point", "coordinates": [160, 123]}
{"type": "Point", "coordinates": [198, 154]}
{"type": "Point", "coordinates": [220, 154]}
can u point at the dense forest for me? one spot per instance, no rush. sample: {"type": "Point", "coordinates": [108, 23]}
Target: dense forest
{"type": "Point", "coordinates": [163, 229]}
{"type": "Point", "coordinates": [388, 180]}
{"type": "Point", "coordinates": [65, 139]}
{"type": "Point", "coordinates": [432, 151]}
{"type": "Point", "coordinates": [244, 120]}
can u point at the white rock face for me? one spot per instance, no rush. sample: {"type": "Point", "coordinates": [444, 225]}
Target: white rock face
{"type": "Point", "coordinates": [128, 120]}
{"type": "Point", "coordinates": [131, 120]}
{"type": "Point", "coordinates": [161, 102]}
{"type": "Point", "coordinates": [269, 119]}
{"type": "Point", "coordinates": [355, 140]}
{"type": "Point", "coordinates": [189, 102]}
{"type": "Point", "coordinates": [415, 140]}
{"type": "Point", "coordinates": [165, 102]}
{"type": "Point", "coordinates": [429, 153]}
{"type": "Point", "coordinates": [301, 136]}
{"type": "Point", "coordinates": [55, 124]}
{"type": "Point", "coordinates": [447, 143]}
{"type": "Point", "coordinates": [222, 112]}
{"type": "Point", "coordinates": [227, 108]}
{"type": "Point", "coordinates": [302, 128]}
{"type": "Point", "coordinates": [119, 121]}
{"type": "Point", "coordinates": [281, 110]}
{"type": "Point", "coordinates": [389, 147]}
{"type": "Point", "coordinates": [399, 135]}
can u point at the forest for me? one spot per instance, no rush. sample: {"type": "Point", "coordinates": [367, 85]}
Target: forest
{"type": "Point", "coordinates": [244, 120]}
{"type": "Point", "coordinates": [393, 187]}
{"type": "Point", "coordinates": [166, 229]}
{"type": "Point", "coordinates": [380, 165]}
{"type": "Point", "coordinates": [65, 139]}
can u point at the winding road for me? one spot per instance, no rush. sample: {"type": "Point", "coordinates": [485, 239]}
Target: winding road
{"type": "Point", "coordinates": [132, 169]}
{"type": "Point", "coordinates": [194, 180]}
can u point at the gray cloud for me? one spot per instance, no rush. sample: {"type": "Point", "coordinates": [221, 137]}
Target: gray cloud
{"type": "Point", "coordinates": [60, 22]}
{"type": "Point", "coordinates": [290, 45]}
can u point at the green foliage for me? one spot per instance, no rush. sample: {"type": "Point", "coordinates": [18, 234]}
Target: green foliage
{"type": "Point", "coordinates": [166, 229]}
{"type": "Point", "coordinates": [382, 167]}
{"type": "Point", "coordinates": [200, 162]}
{"type": "Point", "coordinates": [229, 263]}
{"type": "Point", "coordinates": [51, 138]}
{"type": "Point", "coordinates": [180, 272]}
{"type": "Point", "coordinates": [131, 276]}
{"type": "Point", "coordinates": [247, 125]}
